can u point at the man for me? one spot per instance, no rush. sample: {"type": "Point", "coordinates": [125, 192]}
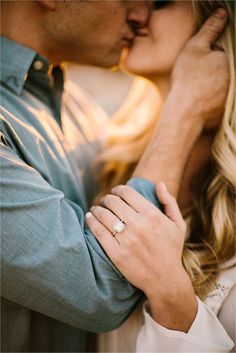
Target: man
{"type": "Point", "coordinates": [56, 281]}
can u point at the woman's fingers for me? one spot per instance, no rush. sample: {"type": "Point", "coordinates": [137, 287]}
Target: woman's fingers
{"type": "Point", "coordinates": [170, 205]}
{"type": "Point", "coordinates": [106, 217]}
{"type": "Point", "coordinates": [103, 235]}
{"type": "Point", "coordinates": [135, 200]}
{"type": "Point", "coordinates": [119, 207]}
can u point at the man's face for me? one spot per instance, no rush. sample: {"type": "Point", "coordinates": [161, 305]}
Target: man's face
{"type": "Point", "coordinates": [95, 32]}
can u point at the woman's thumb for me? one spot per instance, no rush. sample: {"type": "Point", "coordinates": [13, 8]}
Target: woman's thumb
{"type": "Point", "coordinates": [169, 203]}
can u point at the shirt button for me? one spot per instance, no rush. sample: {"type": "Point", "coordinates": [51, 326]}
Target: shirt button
{"type": "Point", "coordinates": [38, 65]}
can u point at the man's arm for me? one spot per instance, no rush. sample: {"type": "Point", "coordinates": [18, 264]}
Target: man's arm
{"type": "Point", "coordinates": [51, 262]}
{"type": "Point", "coordinates": [196, 101]}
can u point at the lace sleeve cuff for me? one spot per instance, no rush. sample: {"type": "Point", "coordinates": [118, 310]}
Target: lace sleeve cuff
{"type": "Point", "coordinates": [205, 335]}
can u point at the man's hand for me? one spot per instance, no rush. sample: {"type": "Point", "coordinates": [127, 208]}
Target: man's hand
{"type": "Point", "coordinates": [201, 73]}
{"type": "Point", "coordinates": [196, 101]}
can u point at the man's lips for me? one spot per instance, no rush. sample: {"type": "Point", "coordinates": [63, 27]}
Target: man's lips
{"type": "Point", "coordinates": [141, 32]}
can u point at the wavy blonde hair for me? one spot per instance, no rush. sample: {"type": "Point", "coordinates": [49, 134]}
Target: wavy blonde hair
{"type": "Point", "coordinates": [212, 238]}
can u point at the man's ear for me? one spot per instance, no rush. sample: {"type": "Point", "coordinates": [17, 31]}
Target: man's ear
{"type": "Point", "coordinates": [48, 4]}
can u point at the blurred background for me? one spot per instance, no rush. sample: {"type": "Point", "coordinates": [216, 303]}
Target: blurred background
{"type": "Point", "coordinates": [109, 115]}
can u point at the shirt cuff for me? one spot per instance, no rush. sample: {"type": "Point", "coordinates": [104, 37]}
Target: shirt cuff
{"type": "Point", "coordinates": [205, 335]}
{"type": "Point", "coordinates": [145, 188]}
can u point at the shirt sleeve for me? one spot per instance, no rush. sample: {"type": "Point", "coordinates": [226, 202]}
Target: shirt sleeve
{"type": "Point", "coordinates": [226, 316]}
{"type": "Point", "coordinates": [205, 335]}
{"type": "Point", "coordinates": [51, 263]}
{"type": "Point", "coordinates": [145, 188]}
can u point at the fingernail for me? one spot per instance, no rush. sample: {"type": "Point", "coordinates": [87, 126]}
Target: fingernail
{"type": "Point", "coordinates": [113, 189]}
{"type": "Point", "coordinates": [92, 208]}
{"type": "Point", "coordinates": [163, 186]}
{"type": "Point", "coordinates": [88, 214]}
{"type": "Point", "coordinates": [220, 13]}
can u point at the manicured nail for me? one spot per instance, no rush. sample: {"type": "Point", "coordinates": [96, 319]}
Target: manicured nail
{"type": "Point", "coordinates": [163, 186]}
{"type": "Point", "coordinates": [88, 214]}
{"type": "Point", "coordinates": [220, 13]}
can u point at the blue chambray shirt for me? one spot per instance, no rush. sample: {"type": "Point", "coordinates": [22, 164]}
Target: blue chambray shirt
{"type": "Point", "coordinates": [57, 283]}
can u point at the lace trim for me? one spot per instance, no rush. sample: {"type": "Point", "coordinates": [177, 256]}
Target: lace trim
{"type": "Point", "coordinates": [218, 294]}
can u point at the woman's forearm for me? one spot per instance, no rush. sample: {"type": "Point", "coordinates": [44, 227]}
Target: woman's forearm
{"type": "Point", "coordinates": [172, 302]}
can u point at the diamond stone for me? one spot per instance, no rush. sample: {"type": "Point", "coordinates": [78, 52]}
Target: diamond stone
{"type": "Point", "coordinates": [119, 227]}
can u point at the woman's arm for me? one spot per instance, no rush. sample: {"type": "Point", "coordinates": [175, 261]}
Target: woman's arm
{"type": "Point", "coordinates": [149, 253]}
{"type": "Point", "coordinates": [150, 258]}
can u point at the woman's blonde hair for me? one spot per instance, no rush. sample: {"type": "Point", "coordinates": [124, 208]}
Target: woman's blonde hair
{"type": "Point", "coordinates": [212, 238]}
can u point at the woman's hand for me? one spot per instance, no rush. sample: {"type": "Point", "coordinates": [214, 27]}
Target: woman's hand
{"type": "Point", "coordinates": [148, 252]}
{"type": "Point", "coordinates": [150, 248]}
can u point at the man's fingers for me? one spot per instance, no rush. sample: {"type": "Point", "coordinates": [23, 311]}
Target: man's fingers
{"type": "Point", "coordinates": [133, 198]}
{"type": "Point", "coordinates": [212, 28]}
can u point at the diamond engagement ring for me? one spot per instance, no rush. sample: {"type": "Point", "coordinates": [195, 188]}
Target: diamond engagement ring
{"type": "Point", "coordinates": [118, 227]}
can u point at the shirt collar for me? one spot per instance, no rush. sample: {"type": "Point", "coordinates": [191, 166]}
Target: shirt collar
{"type": "Point", "coordinates": [16, 61]}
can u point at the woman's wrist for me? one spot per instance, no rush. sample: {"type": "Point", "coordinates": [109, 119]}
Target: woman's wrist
{"type": "Point", "coordinates": [172, 302]}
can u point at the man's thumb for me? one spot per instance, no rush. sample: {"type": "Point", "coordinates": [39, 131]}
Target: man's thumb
{"type": "Point", "coordinates": [212, 28]}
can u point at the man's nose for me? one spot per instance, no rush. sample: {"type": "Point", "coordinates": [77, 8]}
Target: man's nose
{"type": "Point", "coordinates": [139, 13]}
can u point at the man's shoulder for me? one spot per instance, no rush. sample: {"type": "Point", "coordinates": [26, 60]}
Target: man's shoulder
{"type": "Point", "coordinates": [12, 111]}
{"type": "Point", "coordinates": [18, 122]}
{"type": "Point", "coordinates": [21, 114]}
{"type": "Point", "coordinates": [12, 105]}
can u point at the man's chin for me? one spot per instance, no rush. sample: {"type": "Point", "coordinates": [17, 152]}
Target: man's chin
{"type": "Point", "coordinates": [110, 60]}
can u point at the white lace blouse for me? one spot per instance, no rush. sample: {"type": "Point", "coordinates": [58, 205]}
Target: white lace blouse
{"type": "Point", "coordinates": [213, 329]}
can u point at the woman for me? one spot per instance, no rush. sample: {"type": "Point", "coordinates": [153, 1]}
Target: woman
{"type": "Point", "coordinates": [185, 268]}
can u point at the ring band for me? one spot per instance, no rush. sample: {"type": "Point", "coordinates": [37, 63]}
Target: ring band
{"type": "Point", "coordinates": [118, 227]}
